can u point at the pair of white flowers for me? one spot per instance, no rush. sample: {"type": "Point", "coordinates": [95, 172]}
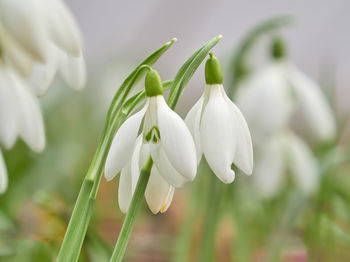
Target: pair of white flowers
{"type": "Point", "coordinates": [215, 127]}
{"type": "Point", "coordinates": [270, 100]}
{"type": "Point", "coordinates": [37, 39]}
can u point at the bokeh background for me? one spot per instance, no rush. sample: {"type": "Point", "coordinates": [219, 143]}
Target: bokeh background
{"type": "Point", "coordinates": [118, 34]}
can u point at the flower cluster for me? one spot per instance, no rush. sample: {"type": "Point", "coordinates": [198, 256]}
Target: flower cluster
{"type": "Point", "coordinates": [270, 99]}
{"type": "Point", "coordinates": [215, 128]}
{"type": "Point", "coordinates": [37, 39]}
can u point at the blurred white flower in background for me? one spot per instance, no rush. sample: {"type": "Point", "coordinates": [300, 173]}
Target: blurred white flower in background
{"type": "Point", "coordinates": [37, 39]}
{"type": "Point", "coordinates": [281, 153]}
{"type": "Point", "coordinates": [269, 99]}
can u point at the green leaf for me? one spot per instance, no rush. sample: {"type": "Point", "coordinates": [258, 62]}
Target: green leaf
{"type": "Point", "coordinates": [77, 226]}
{"type": "Point", "coordinates": [134, 77]}
{"type": "Point", "coordinates": [187, 70]}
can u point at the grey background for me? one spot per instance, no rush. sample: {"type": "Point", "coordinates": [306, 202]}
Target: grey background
{"type": "Point", "coordinates": [125, 31]}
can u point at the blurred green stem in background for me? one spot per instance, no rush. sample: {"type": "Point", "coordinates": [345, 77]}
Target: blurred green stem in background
{"type": "Point", "coordinates": [211, 220]}
{"type": "Point", "coordinates": [239, 67]}
{"type": "Point", "coordinates": [215, 208]}
{"type": "Point", "coordinates": [129, 221]}
{"type": "Point", "coordinates": [196, 206]}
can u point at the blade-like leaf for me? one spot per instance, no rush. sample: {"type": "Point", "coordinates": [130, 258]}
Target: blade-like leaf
{"type": "Point", "coordinates": [134, 77]}
{"type": "Point", "coordinates": [187, 70]}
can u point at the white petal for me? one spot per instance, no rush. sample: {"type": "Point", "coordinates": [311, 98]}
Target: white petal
{"type": "Point", "coordinates": [8, 111]}
{"type": "Point", "coordinates": [158, 193]}
{"type": "Point", "coordinates": [16, 57]}
{"type": "Point", "coordinates": [269, 167]}
{"type": "Point", "coordinates": [318, 114]}
{"type": "Point", "coordinates": [192, 121]}
{"type": "Point", "coordinates": [266, 101]}
{"type": "Point", "coordinates": [73, 71]}
{"type": "Point", "coordinates": [150, 117]}
{"type": "Point", "coordinates": [136, 164]}
{"type": "Point", "coordinates": [31, 122]}
{"type": "Point", "coordinates": [123, 145]}
{"type": "Point", "coordinates": [22, 20]}
{"type": "Point", "coordinates": [166, 170]}
{"type": "Point", "coordinates": [219, 135]}
{"type": "Point", "coordinates": [43, 74]}
{"type": "Point", "coordinates": [3, 175]}
{"type": "Point", "coordinates": [303, 164]}
{"type": "Point", "coordinates": [63, 28]}
{"type": "Point", "coordinates": [176, 140]}
{"type": "Point", "coordinates": [125, 189]}
{"type": "Point", "coordinates": [243, 157]}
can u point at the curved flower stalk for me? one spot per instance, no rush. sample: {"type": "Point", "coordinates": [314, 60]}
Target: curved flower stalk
{"type": "Point", "coordinates": [166, 137]}
{"type": "Point", "coordinates": [37, 38]}
{"type": "Point", "coordinates": [219, 129]}
{"type": "Point", "coordinates": [269, 99]}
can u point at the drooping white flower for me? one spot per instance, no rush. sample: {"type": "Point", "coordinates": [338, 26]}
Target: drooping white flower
{"type": "Point", "coordinates": [270, 97]}
{"type": "Point", "coordinates": [165, 137]}
{"type": "Point", "coordinates": [280, 154]}
{"type": "Point", "coordinates": [20, 113]}
{"type": "Point", "coordinates": [39, 38]}
{"type": "Point", "coordinates": [219, 129]}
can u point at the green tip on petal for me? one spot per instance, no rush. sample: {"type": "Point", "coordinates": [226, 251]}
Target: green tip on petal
{"type": "Point", "coordinates": [278, 48]}
{"type": "Point", "coordinates": [153, 83]}
{"type": "Point", "coordinates": [213, 70]}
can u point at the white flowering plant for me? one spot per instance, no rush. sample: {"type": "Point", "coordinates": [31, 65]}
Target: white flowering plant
{"type": "Point", "coordinates": [273, 124]}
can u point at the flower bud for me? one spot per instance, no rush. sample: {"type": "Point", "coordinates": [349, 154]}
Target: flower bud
{"type": "Point", "coordinates": [278, 48]}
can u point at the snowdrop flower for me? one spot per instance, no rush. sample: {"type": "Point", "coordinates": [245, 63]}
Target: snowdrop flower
{"type": "Point", "coordinates": [270, 97]}
{"type": "Point", "coordinates": [20, 113]}
{"type": "Point", "coordinates": [39, 38]}
{"type": "Point", "coordinates": [219, 129]}
{"type": "Point", "coordinates": [281, 153]}
{"type": "Point", "coordinates": [165, 137]}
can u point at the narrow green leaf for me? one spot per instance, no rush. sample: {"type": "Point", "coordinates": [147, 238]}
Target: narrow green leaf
{"type": "Point", "coordinates": [134, 78]}
{"type": "Point", "coordinates": [187, 70]}
{"type": "Point", "coordinates": [74, 236]}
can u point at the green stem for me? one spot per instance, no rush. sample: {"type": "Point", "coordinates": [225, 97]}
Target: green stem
{"type": "Point", "coordinates": [211, 221]}
{"type": "Point", "coordinates": [294, 207]}
{"type": "Point", "coordinates": [129, 221]}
